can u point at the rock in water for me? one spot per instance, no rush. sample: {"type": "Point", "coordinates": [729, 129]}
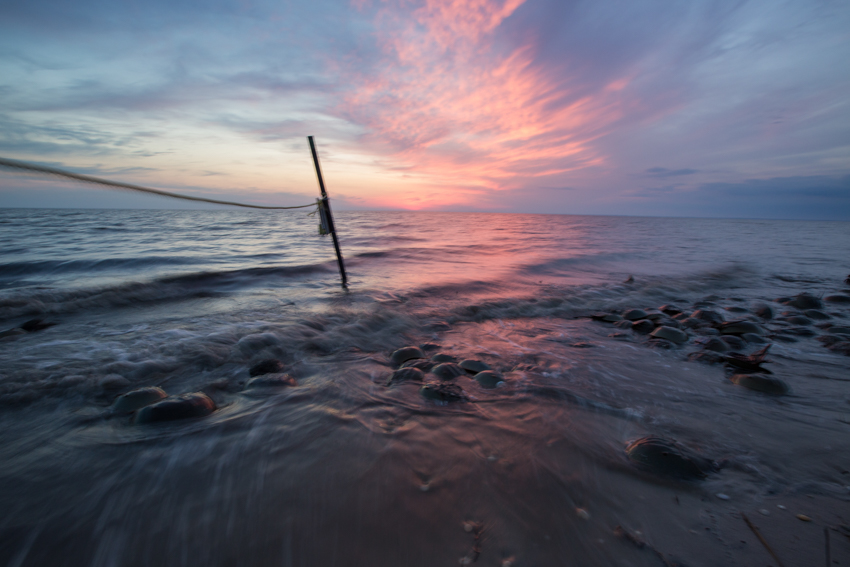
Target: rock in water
{"type": "Point", "coordinates": [34, 325]}
{"type": "Point", "coordinates": [816, 314]}
{"type": "Point", "coordinates": [717, 345]}
{"type": "Point", "coordinates": [763, 311]}
{"type": "Point", "coordinates": [179, 407]}
{"type": "Point", "coordinates": [670, 309]}
{"type": "Point", "coordinates": [707, 315]}
{"type": "Point", "coordinates": [443, 357]}
{"type": "Point", "coordinates": [406, 353]}
{"type": "Point", "coordinates": [131, 401]}
{"type": "Point", "coordinates": [806, 301]}
{"type": "Point", "coordinates": [670, 334]}
{"type": "Point", "coordinates": [489, 379]}
{"type": "Point", "coordinates": [741, 327]}
{"type": "Point", "coordinates": [473, 366]}
{"type": "Point", "coordinates": [838, 298]}
{"type": "Point", "coordinates": [276, 380]}
{"type": "Point", "coordinates": [644, 326]}
{"type": "Point", "coordinates": [634, 314]}
{"type": "Point", "coordinates": [406, 375]}
{"type": "Point", "coordinates": [268, 366]}
{"type": "Point", "coordinates": [422, 364]}
{"type": "Point", "coordinates": [447, 371]}
{"type": "Point", "coordinates": [668, 458]}
{"type": "Point", "coordinates": [606, 317]}
{"type": "Point", "coordinates": [734, 342]}
{"type": "Point", "coordinates": [760, 383]}
{"type": "Point", "coordinates": [443, 392]}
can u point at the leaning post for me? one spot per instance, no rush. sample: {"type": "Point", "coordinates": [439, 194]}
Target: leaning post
{"type": "Point", "coordinates": [325, 210]}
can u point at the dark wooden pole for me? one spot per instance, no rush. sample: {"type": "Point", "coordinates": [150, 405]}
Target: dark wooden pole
{"type": "Point", "coordinates": [326, 205]}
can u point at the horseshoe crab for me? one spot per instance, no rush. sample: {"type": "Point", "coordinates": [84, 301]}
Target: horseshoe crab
{"type": "Point", "coordinates": [667, 458]}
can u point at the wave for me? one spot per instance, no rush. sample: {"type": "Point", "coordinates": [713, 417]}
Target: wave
{"type": "Point", "coordinates": [169, 288]}
{"type": "Point", "coordinates": [19, 269]}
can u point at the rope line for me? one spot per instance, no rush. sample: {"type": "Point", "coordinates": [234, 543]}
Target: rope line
{"type": "Point", "coordinates": [15, 164]}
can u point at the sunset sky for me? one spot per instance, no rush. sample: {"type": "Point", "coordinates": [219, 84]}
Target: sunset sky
{"type": "Point", "coordinates": [698, 108]}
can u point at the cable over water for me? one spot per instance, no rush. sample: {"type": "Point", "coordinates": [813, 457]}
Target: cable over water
{"type": "Point", "coordinates": [30, 167]}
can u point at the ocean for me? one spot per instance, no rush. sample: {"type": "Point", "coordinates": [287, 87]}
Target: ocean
{"type": "Point", "coordinates": [351, 462]}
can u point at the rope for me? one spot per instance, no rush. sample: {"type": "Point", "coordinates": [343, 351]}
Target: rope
{"type": "Point", "coordinates": [14, 164]}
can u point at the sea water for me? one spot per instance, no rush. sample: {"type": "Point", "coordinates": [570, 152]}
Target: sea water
{"type": "Point", "coordinates": [347, 468]}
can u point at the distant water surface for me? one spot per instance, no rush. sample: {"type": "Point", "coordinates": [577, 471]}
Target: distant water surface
{"type": "Point", "coordinates": [343, 469]}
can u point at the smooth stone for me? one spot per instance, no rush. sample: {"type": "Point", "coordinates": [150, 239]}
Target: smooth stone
{"type": "Point", "coordinates": [276, 380]}
{"type": "Point", "coordinates": [624, 324]}
{"type": "Point", "coordinates": [634, 314]}
{"type": "Point", "coordinates": [131, 401]}
{"type": "Point", "coordinates": [489, 378]}
{"type": "Point", "coordinates": [668, 458]}
{"type": "Point", "coordinates": [644, 326]}
{"type": "Point", "coordinates": [741, 327]}
{"type": "Point", "coordinates": [717, 345]}
{"type": "Point", "coordinates": [798, 320]}
{"type": "Point", "coordinates": [708, 331]}
{"type": "Point", "coordinates": [443, 393]}
{"type": "Point", "coordinates": [406, 353]}
{"type": "Point", "coordinates": [764, 311]}
{"type": "Point", "coordinates": [443, 357]}
{"type": "Point", "coordinates": [760, 383]}
{"type": "Point", "coordinates": [422, 364]}
{"type": "Point", "coordinates": [670, 309]}
{"type": "Point", "coordinates": [816, 315]}
{"type": "Point", "coordinates": [735, 343]}
{"type": "Point", "coordinates": [407, 375]}
{"type": "Point", "coordinates": [268, 366]}
{"type": "Point", "coordinates": [611, 318]}
{"type": "Point", "coordinates": [805, 301]}
{"type": "Point", "coordinates": [473, 366]}
{"type": "Point", "coordinates": [670, 334]}
{"type": "Point", "coordinates": [705, 357]}
{"type": "Point", "coordinates": [447, 371]}
{"type": "Point", "coordinates": [691, 323]}
{"type": "Point", "coordinates": [753, 338]}
{"type": "Point", "coordinates": [736, 309]}
{"type": "Point", "coordinates": [837, 298]}
{"type": "Point", "coordinates": [179, 407]}
{"type": "Point", "coordinates": [707, 315]}
{"type": "Point", "coordinates": [680, 316]}
{"type": "Point", "coordinates": [655, 316]}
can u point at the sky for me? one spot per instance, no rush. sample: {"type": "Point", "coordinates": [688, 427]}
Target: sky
{"type": "Point", "coordinates": [700, 108]}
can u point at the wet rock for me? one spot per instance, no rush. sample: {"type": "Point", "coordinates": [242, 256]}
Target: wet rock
{"type": "Point", "coordinates": [680, 316]}
{"type": "Point", "coordinates": [422, 364]}
{"type": "Point", "coordinates": [669, 323]}
{"type": "Point", "coordinates": [717, 345]}
{"type": "Point", "coordinates": [691, 323]}
{"type": "Point", "coordinates": [268, 366]}
{"type": "Point", "coordinates": [734, 342]}
{"type": "Point", "coordinates": [707, 315]}
{"type": "Point", "coordinates": [661, 343]}
{"type": "Point", "coordinates": [816, 314]}
{"type": "Point", "coordinates": [489, 378]}
{"type": "Point", "coordinates": [447, 371]}
{"type": "Point", "coordinates": [753, 338]}
{"type": "Point", "coordinates": [748, 363]}
{"type": "Point", "coordinates": [805, 301]}
{"type": "Point", "coordinates": [473, 366]}
{"type": "Point", "coordinates": [406, 353]}
{"type": "Point", "coordinates": [113, 382]}
{"type": "Point", "coordinates": [443, 392]}
{"type": "Point", "coordinates": [655, 315]}
{"type": "Point", "coordinates": [606, 317]}
{"type": "Point", "coordinates": [644, 326]}
{"type": "Point", "coordinates": [798, 320]}
{"type": "Point", "coordinates": [34, 325]}
{"type": "Point", "coordinates": [406, 375]}
{"type": "Point", "coordinates": [670, 310]}
{"type": "Point", "coordinates": [705, 357]}
{"type": "Point", "coordinates": [741, 327]}
{"type": "Point", "coordinates": [443, 357]}
{"type": "Point", "coordinates": [131, 401]}
{"type": "Point", "coordinates": [276, 380]}
{"type": "Point", "coordinates": [670, 334]}
{"type": "Point", "coordinates": [630, 279]}
{"type": "Point", "coordinates": [634, 314]}
{"type": "Point", "coordinates": [625, 325]}
{"type": "Point", "coordinates": [760, 383]}
{"type": "Point", "coordinates": [736, 309]}
{"type": "Point", "coordinates": [427, 347]}
{"type": "Point", "coordinates": [708, 331]}
{"type": "Point", "coordinates": [667, 458]}
{"type": "Point", "coordinates": [837, 298]}
{"type": "Point", "coordinates": [842, 347]}
{"type": "Point", "coordinates": [763, 311]}
{"type": "Point", "coordinates": [179, 407]}
{"type": "Point", "coordinates": [800, 331]}
{"type": "Point", "coordinates": [847, 280]}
